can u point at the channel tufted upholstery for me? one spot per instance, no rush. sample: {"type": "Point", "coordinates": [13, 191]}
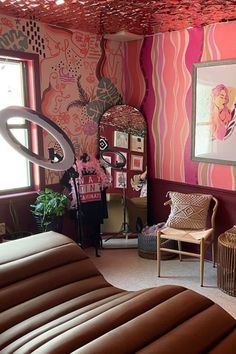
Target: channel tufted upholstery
{"type": "Point", "coordinates": [54, 300]}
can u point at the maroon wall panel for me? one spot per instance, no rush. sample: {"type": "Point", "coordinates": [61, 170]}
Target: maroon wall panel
{"type": "Point", "coordinates": [157, 190]}
{"type": "Point", "coordinates": [22, 207]}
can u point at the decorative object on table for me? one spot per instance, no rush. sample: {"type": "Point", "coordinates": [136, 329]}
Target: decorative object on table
{"type": "Point", "coordinates": [48, 210]}
{"type": "Point", "coordinates": [136, 143]}
{"type": "Point", "coordinates": [121, 139]}
{"type": "Point", "coordinates": [214, 98]}
{"type": "Point", "coordinates": [226, 266]}
{"type": "Point", "coordinates": [136, 163]}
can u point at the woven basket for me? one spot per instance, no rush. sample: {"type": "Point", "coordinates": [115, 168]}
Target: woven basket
{"type": "Point", "coordinates": [147, 247]}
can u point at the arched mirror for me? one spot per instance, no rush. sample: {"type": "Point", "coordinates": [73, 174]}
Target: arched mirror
{"type": "Point", "coordinates": [123, 133]}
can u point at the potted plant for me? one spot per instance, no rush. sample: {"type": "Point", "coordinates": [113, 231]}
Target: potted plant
{"type": "Point", "coordinates": [48, 210]}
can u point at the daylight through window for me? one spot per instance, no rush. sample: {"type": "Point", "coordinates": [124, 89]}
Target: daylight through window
{"type": "Point", "coordinates": [15, 169]}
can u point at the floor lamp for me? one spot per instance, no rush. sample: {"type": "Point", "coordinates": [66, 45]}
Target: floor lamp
{"type": "Point", "coordinates": [55, 161]}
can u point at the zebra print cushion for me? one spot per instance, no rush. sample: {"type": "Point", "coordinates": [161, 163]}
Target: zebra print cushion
{"type": "Point", "coordinates": [188, 211]}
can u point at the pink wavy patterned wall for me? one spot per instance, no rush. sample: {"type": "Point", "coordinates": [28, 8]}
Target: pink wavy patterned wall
{"type": "Point", "coordinates": [168, 105]}
{"type": "Point", "coordinates": [135, 86]}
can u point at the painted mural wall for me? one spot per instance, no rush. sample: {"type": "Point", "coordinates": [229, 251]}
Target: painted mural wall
{"type": "Point", "coordinates": [167, 66]}
{"type": "Point", "coordinates": [81, 76]}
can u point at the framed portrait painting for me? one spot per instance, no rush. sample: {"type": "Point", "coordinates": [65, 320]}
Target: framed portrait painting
{"type": "Point", "coordinates": [120, 180]}
{"type": "Point", "coordinates": [214, 117]}
{"type": "Point", "coordinates": [136, 143]}
{"type": "Point", "coordinates": [121, 139]}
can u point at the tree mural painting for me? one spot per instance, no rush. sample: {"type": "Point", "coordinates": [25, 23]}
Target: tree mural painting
{"type": "Point", "coordinates": [76, 88]}
{"type": "Point", "coordinates": [91, 111]}
{"type": "Point", "coordinates": [107, 96]}
{"type": "Point", "coordinates": [84, 113]}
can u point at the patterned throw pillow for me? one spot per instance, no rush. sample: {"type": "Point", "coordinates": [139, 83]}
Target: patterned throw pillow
{"type": "Point", "coordinates": [188, 211]}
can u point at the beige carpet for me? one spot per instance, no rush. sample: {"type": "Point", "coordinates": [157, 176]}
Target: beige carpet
{"type": "Point", "coordinates": [125, 269]}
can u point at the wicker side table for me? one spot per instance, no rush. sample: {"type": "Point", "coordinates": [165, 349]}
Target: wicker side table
{"type": "Point", "coordinates": [226, 267]}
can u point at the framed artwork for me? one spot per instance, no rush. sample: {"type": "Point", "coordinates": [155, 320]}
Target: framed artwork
{"type": "Point", "coordinates": [118, 158]}
{"type": "Point", "coordinates": [136, 163]}
{"type": "Point", "coordinates": [121, 139]}
{"type": "Point", "coordinates": [120, 180]}
{"type": "Point", "coordinates": [214, 118]}
{"type": "Point", "coordinates": [136, 143]}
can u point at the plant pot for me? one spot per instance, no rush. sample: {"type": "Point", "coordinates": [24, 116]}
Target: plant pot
{"type": "Point", "coordinates": [55, 224]}
{"type": "Point", "coordinates": [15, 236]}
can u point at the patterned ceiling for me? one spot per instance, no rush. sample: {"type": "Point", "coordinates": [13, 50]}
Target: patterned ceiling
{"type": "Point", "coordinates": [109, 16]}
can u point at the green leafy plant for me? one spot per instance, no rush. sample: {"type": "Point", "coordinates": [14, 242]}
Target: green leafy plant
{"type": "Point", "coordinates": [48, 206]}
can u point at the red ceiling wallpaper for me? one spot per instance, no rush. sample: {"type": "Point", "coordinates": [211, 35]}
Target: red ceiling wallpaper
{"type": "Point", "coordinates": [109, 16]}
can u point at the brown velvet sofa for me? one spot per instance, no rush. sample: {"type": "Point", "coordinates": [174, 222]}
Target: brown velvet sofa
{"type": "Point", "coordinates": [54, 300]}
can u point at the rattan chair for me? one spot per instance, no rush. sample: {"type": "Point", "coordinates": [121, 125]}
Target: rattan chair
{"type": "Point", "coordinates": [203, 238]}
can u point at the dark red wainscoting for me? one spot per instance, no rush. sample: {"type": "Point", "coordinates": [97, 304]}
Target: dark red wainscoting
{"type": "Point", "coordinates": [158, 188]}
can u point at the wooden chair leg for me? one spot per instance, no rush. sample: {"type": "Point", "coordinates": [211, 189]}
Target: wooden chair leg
{"type": "Point", "coordinates": [180, 249]}
{"type": "Point", "coordinates": [214, 253]}
{"type": "Point", "coordinates": [202, 258]}
{"type": "Point", "coordinates": [158, 253]}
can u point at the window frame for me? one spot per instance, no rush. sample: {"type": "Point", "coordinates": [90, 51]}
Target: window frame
{"type": "Point", "coordinates": [31, 85]}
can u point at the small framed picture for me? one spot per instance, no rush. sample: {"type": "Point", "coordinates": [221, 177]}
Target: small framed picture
{"type": "Point", "coordinates": [121, 139]}
{"type": "Point", "coordinates": [120, 179]}
{"type": "Point", "coordinates": [136, 163]}
{"type": "Point", "coordinates": [137, 143]}
{"type": "Point", "coordinates": [119, 159]}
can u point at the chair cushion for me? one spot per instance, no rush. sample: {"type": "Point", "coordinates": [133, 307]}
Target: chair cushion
{"type": "Point", "coordinates": [188, 211]}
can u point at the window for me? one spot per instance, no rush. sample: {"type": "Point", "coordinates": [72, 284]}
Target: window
{"type": "Point", "coordinates": [16, 78]}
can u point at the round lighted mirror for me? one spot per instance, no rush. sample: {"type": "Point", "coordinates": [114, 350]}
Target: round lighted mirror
{"type": "Point", "coordinates": [62, 164]}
